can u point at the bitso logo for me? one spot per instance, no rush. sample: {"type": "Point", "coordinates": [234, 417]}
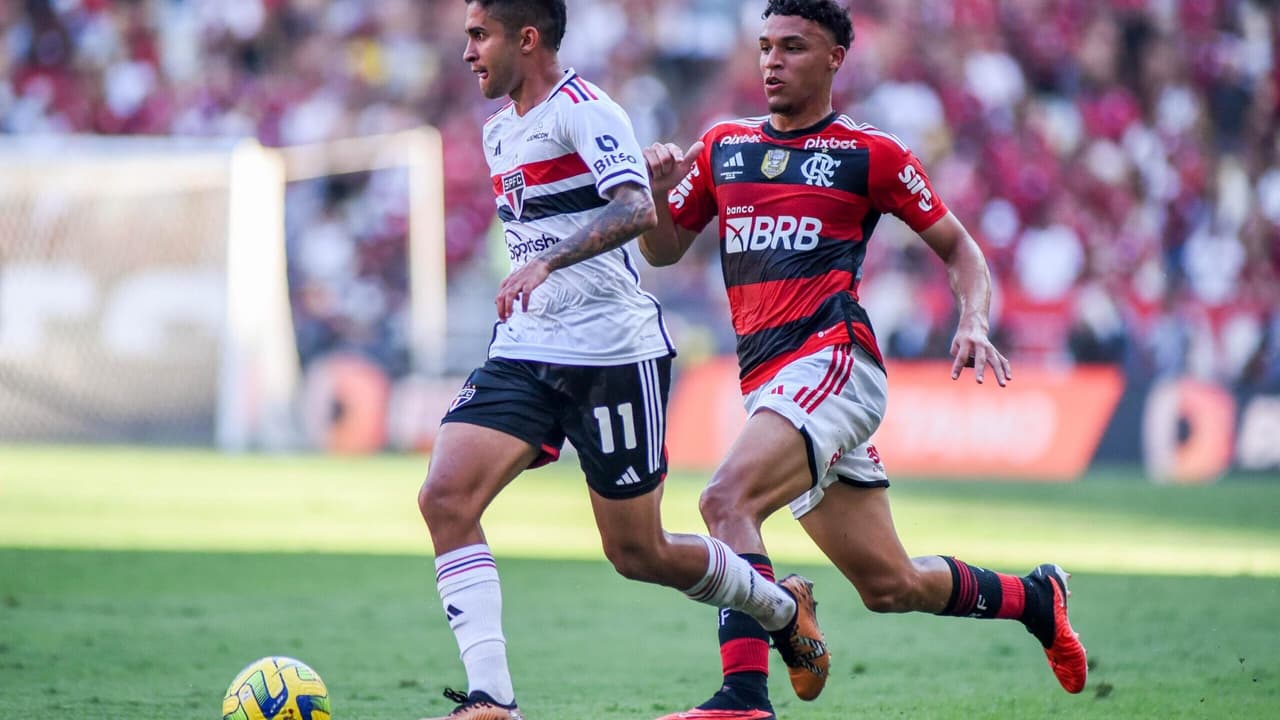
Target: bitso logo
{"type": "Point", "coordinates": [764, 232]}
{"type": "Point", "coordinates": [917, 186]}
{"type": "Point", "coordinates": [609, 146]}
{"type": "Point", "coordinates": [819, 170]}
{"type": "Point", "coordinates": [513, 191]}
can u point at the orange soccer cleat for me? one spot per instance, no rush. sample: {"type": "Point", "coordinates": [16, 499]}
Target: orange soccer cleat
{"type": "Point", "coordinates": [478, 706]}
{"type": "Point", "coordinates": [801, 643]}
{"type": "Point", "coordinates": [1065, 652]}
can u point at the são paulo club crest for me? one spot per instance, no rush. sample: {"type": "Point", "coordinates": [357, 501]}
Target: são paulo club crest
{"type": "Point", "coordinates": [467, 392]}
{"type": "Point", "coordinates": [513, 191]}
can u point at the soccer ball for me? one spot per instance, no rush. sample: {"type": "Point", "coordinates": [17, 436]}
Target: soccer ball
{"type": "Point", "coordinates": [276, 688]}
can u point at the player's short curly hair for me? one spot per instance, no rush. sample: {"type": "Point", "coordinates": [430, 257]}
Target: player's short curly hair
{"type": "Point", "coordinates": [828, 13]}
{"type": "Point", "coordinates": [549, 16]}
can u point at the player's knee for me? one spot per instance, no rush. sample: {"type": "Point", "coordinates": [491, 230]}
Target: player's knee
{"type": "Point", "coordinates": [634, 560]}
{"type": "Point", "coordinates": [723, 504]}
{"type": "Point", "coordinates": [444, 504]}
{"type": "Point", "coordinates": [889, 594]}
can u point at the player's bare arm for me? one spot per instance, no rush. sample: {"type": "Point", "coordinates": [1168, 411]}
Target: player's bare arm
{"type": "Point", "coordinates": [971, 285]}
{"type": "Point", "coordinates": [666, 243]}
{"type": "Point", "coordinates": [630, 212]}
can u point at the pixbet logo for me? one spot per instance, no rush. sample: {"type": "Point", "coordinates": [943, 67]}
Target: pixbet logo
{"type": "Point", "coordinates": [916, 185]}
{"type": "Point", "coordinates": [739, 139]}
{"type": "Point", "coordinates": [822, 143]}
{"type": "Point", "coordinates": [764, 232]}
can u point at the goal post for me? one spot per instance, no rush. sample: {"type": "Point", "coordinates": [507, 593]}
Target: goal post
{"type": "Point", "coordinates": [143, 284]}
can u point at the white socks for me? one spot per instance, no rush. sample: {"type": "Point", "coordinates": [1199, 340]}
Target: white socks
{"type": "Point", "coordinates": [731, 582]}
{"type": "Point", "coordinates": [467, 579]}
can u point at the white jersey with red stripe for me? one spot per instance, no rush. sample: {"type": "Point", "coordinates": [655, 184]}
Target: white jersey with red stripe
{"type": "Point", "coordinates": [550, 170]}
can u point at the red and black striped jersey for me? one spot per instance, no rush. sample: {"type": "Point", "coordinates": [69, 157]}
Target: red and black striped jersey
{"type": "Point", "coordinates": [796, 211]}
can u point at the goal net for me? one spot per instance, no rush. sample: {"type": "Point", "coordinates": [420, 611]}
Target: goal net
{"type": "Point", "coordinates": [143, 286]}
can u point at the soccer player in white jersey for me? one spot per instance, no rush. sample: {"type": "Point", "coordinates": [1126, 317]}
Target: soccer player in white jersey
{"type": "Point", "coordinates": [579, 352]}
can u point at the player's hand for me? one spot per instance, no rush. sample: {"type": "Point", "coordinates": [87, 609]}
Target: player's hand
{"type": "Point", "coordinates": [518, 285]}
{"type": "Point", "coordinates": [972, 348]}
{"type": "Point", "coordinates": [668, 164]}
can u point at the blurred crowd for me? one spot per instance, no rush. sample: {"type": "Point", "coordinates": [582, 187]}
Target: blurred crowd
{"type": "Point", "coordinates": [1118, 161]}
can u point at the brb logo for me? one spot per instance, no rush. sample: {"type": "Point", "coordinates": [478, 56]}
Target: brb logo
{"type": "Point", "coordinates": [608, 145]}
{"type": "Point", "coordinates": [916, 184]}
{"type": "Point", "coordinates": [819, 170]}
{"type": "Point", "coordinates": [765, 232]}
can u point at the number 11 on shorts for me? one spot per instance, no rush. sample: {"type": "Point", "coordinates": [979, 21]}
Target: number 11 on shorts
{"type": "Point", "coordinates": [605, 418]}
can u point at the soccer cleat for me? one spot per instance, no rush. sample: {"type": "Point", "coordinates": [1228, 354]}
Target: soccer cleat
{"type": "Point", "coordinates": [700, 714]}
{"type": "Point", "coordinates": [1065, 653]}
{"type": "Point", "coordinates": [478, 706]}
{"type": "Point", "coordinates": [801, 644]}
{"type": "Point", "coordinates": [730, 703]}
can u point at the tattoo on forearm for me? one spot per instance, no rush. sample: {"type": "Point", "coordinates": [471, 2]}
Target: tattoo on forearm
{"type": "Point", "coordinates": [622, 219]}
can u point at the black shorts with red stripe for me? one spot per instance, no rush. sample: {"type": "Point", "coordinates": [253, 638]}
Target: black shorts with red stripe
{"type": "Point", "coordinates": [615, 416]}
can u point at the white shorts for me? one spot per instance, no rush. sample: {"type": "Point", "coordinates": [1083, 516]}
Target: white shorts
{"type": "Point", "coordinates": [836, 398]}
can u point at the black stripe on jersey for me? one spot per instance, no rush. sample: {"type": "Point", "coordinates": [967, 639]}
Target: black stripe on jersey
{"type": "Point", "coordinates": [561, 203]}
{"type": "Point", "coordinates": [869, 222]}
{"type": "Point", "coordinates": [851, 175]}
{"type": "Point", "coordinates": [624, 171]}
{"type": "Point", "coordinates": [769, 265]}
{"type": "Point", "coordinates": [767, 344]}
{"type": "Point", "coordinates": [662, 323]}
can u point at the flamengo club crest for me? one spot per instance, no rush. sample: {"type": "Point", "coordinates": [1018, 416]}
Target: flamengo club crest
{"type": "Point", "coordinates": [775, 163]}
{"type": "Point", "coordinates": [513, 191]}
{"type": "Point", "coordinates": [819, 170]}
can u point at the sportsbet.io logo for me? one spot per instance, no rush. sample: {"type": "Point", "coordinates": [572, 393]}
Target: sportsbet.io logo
{"type": "Point", "coordinates": [520, 248]}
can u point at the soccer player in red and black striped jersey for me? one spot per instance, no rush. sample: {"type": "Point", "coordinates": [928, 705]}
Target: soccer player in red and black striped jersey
{"type": "Point", "coordinates": [796, 195]}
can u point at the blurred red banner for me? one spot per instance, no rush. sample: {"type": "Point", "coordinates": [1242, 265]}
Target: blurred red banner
{"type": "Point", "coordinates": [1044, 426]}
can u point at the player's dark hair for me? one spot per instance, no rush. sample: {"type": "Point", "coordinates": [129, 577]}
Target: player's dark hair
{"type": "Point", "coordinates": [549, 16]}
{"type": "Point", "coordinates": [827, 13]}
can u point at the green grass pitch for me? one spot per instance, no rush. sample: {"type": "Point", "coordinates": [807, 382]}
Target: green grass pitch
{"type": "Point", "coordinates": [135, 584]}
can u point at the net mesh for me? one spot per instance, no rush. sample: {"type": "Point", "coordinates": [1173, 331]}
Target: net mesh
{"type": "Point", "coordinates": [112, 283]}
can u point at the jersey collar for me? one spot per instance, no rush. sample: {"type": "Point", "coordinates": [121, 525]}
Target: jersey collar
{"type": "Point", "coordinates": [819, 126]}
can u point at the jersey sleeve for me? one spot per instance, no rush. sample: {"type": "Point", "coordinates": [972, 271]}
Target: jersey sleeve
{"type": "Point", "coordinates": [601, 134]}
{"type": "Point", "coordinates": [693, 201]}
{"type": "Point", "coordinates": [899, 185]}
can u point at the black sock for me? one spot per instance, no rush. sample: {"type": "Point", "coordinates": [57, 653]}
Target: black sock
{"type": "Point", "coordinates": [744, 650]}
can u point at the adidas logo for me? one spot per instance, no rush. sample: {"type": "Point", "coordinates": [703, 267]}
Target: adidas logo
{"type": "Point", "coordinates": [452, 612]}
{"type": "Point", "coordinates": [629, 477]}
{"type": "Point", "coordinates": [735, 161]}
